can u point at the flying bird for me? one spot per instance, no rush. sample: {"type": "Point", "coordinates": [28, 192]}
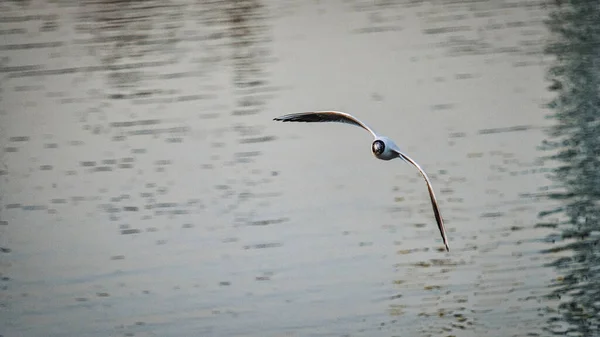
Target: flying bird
{"type": "Point", "coordinates": [382, 147]}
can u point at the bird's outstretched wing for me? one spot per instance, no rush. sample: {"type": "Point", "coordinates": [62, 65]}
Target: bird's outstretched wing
{"type": "Point", "coordinates": [323, 117]}
{"type": "Point", "coordinates": [434, 204]}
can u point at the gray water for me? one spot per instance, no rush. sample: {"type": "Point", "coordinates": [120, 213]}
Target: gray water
{"type": "Point", "coordinates": [146, 191]}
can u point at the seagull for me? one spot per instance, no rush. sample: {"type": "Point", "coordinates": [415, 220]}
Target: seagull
{"type": "Point", "coordinates": [382, 147]}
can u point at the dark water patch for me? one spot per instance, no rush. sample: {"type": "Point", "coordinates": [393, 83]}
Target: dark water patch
{"type": "Point", "coordinates": [445, 30]}
{"type": "Point", "coordinates": [173, 212]}
{"type": "Point", "coordinates": [125, 31]}
{"type": "Point", "coordinates": [50, 146]}
{"type": "Point", "coordinates": [24, 68]}
{"type": "Point", "coordinates": [128, 231]}
{"type": "Point", "coordinates": [130, 96]}
{"type": "Point", "coordinates": [247, 26]}
{"type": "Point", "coordinates": [505, 129]}
{"type": "Point", "coordinates": [246, 155]}
{"type": "Point", "coordinates": [475, 155]}
{"type": "Point", "coordinates": [13, 31]}
{"type": "Point", "coordinates": [159, 131]}
{"type": "Point", "coordinates": [173, 100]}
{"type": "Point", "coordinates": [446, 106]}
{"type": "Point", "coordinates": [478, 25]}
{"type": "Point", "coordinates": [26, 88]}
{"type": "Point", "coordinates": [381, 17]}
{"type": "Point", "coordinates": [8, 18]}
{"type": "Point", "coordinates": [465, 76]}
{"type": "Point", "coordinates": [195, 97]}
{"type": "Point", "coordinates": [378, 29]}
{"type": "Point", "coordinates": [102, 169]}
{"type": "Point", "coordinates": [173, 76]}
{"type": "Point", "coordinates": [546, 225]}
{"type": "Point", "coordinates": [143, 122]}
{"type": "Point", "coordinates": [87, 163]}
{"type": "Point", "coordinates": [76, 143]}
{"type": "Point", "coordinates": [492, 215]}
{"type": "Point", "coordinates": [162, 205]}
{"type": "Point", "coordinates": [245, 112]}
{"type": "Point", "coordinates": [110, 209]}
{"type": "Point", "coordinates": [37, 72]}
{"type": "Point", "coordinates": [263, 245]}
{"type": "Point", "coordinates": [257, 139]}
{"type": "Point", "coordinates": [431, 263]}
{"type": "Point", "coordinates": [36, 45]}
{"type": "Point", "coordinates": [410, 251]}
{"type": "Point", "coordinates": [19, 138]}
{"type": "Point", "coordinates": [574, 145]}
{"type": "Point", "coordinates": [267, 222]}
{"type": "Point", "coordinates": [250, 101]}
{"type": "Point", "coordinates": [245, 130]}
{"type": "Point", "coordinates": [174, 140]}
{"type": "Point", "coordinates": [524, 64]}
{"type": "Point", "coordinates": [34, 207]}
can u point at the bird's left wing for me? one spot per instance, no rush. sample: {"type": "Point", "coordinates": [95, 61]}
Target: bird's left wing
{"type": "Point", "coordinates": [323, 117]}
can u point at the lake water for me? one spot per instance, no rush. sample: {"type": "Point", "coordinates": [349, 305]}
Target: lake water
{"type": "Point", "coordinates": [146, 191]}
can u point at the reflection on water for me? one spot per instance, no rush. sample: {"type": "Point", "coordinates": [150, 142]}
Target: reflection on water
{"type": "Point", "coordinates": [575, 141]}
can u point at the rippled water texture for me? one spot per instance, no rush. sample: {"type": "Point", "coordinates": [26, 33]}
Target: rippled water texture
{"type": "Point", "coordinates": [146, 191]}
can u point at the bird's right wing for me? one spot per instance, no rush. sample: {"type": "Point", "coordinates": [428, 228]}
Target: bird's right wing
{"type": "Point", "coordinates": [434, 203]}
{"type": "Point", "coordinates": [324, 117]}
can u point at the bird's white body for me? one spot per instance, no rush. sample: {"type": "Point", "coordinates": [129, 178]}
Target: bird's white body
{"type": "Point", "coordinates": [382, 148]}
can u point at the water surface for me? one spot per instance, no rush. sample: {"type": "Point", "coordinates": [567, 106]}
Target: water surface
{"type": "Point", "coordinates": [146, 190]}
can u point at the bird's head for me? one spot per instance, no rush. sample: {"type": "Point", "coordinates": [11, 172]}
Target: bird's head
{"type": "Point", "coordinates": [378, 147]}
{"type": "Point", "coordinates": [384, 149]}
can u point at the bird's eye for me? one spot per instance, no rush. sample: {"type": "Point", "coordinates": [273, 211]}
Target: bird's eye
{"type": "Point", "coordinates": [378, 147]}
